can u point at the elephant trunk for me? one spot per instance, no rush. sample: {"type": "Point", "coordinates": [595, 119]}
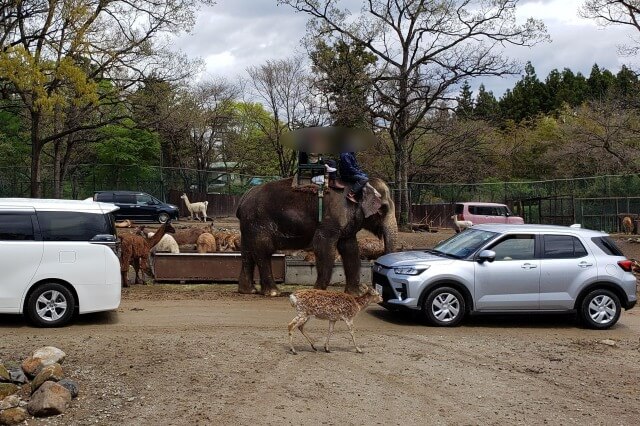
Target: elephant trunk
{"type": "Point", "coordinates": [390, 232]}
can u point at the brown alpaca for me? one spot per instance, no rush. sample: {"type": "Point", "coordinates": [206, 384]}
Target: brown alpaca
{"type": "Point", "coordinates": [331, 306]}
{"type": "Point", "coordinates": [206, 243]}
{"type": "Point", "coordinates": [371, 248]}
{"type": "Point", "coordinates": [135, 251]}
{"type": "Point", "coordinates": [189, 235]}
{"type": "Point", "coordinates": [627, 225]}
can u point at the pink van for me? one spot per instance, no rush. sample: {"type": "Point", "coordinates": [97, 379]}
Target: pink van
{"type": "Point", "coordinates": [478, 213]}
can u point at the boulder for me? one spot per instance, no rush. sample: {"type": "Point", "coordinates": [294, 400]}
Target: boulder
{"type": "Point", "coordinates": [17, 376]}
{"type": "Point", "coordinates": [49, 400]}
{"type": "Point", "coordinates": [11, 401]}
{"type": "Point", "coordinates": [41, 358]}
{"type": "Point", "coordinates": [7, 389]}
{"type": "Point", "coordinates": [13, 416]}
{"type": "Point", "coordinates": [51, 372]}
{"type": "Point", "coordinates": [4, 374]}
{"type": "Point", "coordinates": [71, 386]}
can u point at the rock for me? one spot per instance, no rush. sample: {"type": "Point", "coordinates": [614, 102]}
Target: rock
{"type": "Point", "coordinates": [608, 342]}
{"type": "Point", "coordinates": [11, 401]}
{"type": "Point", "coordinates": [7, 389]}
{"type": "Point", "coordinates": [49, 400]}
{"type": "Point", "coordinates": [17, 376]}
{"type": "Point", "coordinates": [13, 416]}
{"type": "Point", "coordinates": [71, 386]}
{"type": "Point", "coordinates": [41, 358]}
{"type": "Point", "coordinates": [4, 374]}
{"type": "Point", "coordinates": [51, 372]}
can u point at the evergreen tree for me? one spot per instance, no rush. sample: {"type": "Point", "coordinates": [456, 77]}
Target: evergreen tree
{"type": "Point", "coordinates": [486, 107]}
{"type": "Point", "coordinates": [599, 82]}
{"type": "Point", "coordinates": [464, 109]}
{"type": "Point", "coordinates": [527, 98]}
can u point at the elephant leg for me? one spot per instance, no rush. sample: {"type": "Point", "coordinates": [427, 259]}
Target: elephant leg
{"type": "Point", "coordinates": [245, 282]}
{"type": "Point", "coordinates": [325, 251]}
{"type": "Point", "coordinates": [350, 253]}
{"type": "Point", "coordinates": [267, 283]}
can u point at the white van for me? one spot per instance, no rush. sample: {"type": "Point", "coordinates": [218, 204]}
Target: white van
{"type": "Point", "coordinates": [57, 257]}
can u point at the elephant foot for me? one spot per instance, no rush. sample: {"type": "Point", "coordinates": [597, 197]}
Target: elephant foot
{"type": "Point", "coordinates": [356, 291]}
{"type": "Point", "coordinates": [247, 290]}
{"type": "Point", "coordinates": [272, 293]}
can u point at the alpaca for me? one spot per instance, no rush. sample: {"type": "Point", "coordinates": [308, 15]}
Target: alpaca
{"type": "Point", "coordinates": [189, 235]}
{"type": "Point", "coordinates": [331, 306]}
{"type": "Point", "coordinates": [167, 244]}
{"type": "Point", "coordinates": [370, 248]}
{"type": "Point", "coordinates": [196, 208]}
{"type": "Point", "coordinates": [627, 225]}
{"type": "Point", "coordinates": [206, 243]}
{"type": "Point", "coordinates": [124, 224]}
{"type": "Point", "coordinates": [135, 250]}
{"type": "Point", "coordinates": [461, 225]}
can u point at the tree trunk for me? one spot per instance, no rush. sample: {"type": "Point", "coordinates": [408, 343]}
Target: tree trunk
{"type": "Point", "coordinates": [36, 150]}
{"type": "Point", "coordinates": [57, 169]}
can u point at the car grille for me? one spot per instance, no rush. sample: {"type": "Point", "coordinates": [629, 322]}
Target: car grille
{"type": "Point", "coordinates": [387, 291]}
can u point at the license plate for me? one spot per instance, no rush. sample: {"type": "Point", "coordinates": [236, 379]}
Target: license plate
{"type": "Point", "coordinates": [379, 288]}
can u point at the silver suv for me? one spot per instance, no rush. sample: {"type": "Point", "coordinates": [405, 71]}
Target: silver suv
{"type": "Point", "coordinates": [511, 268]}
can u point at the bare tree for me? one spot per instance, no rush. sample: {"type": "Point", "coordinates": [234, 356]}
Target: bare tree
{"type": "Point", "coordinates": [615, 12]}
{"type": "Point", "coordinates": [424, 50]}
{"type": "Point", "coordinates": [283, 87]}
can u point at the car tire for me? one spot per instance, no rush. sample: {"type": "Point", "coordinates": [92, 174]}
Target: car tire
{"type": "Point", "coordinates": [444, 307]}
{"type": "Point", "coordinates": [163, 217]}
{"type": "Point", "coordinates": [600, 309]}
{"type": "Point", "coordinates": [50, 305]}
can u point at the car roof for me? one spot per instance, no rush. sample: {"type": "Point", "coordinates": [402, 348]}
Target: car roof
{"type": "Point", "coordinates": [482, 204]}
{"type": "Point", "coordinates": [504, 228]}
{"type": "Point", "coordinates": [117, 191]}
{"type": "Point", "coordinates": [43, 204]}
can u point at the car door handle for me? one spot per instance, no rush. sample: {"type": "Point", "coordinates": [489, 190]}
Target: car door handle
{"type": "Point", "coordinates": [528, 266]}
{"type": "Point", "coordinates": [584, 264]}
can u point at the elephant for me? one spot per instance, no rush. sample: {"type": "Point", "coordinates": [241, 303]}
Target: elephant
{"type": "Point", "coordinates": [275, 216]}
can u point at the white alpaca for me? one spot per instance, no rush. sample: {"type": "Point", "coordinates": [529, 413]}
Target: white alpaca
{"type": "Point", "coordinates": [196, 208]}
{"type": "Point", "coordinates": [461, 225]}
{"type": "Point", "coordinates": [166, 244]}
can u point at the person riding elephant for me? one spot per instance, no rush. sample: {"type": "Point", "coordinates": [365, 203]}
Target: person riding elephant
{"type": "Point", "coordinates": [275, 216]}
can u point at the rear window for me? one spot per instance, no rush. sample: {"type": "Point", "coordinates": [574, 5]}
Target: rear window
{"type": "Point", "coordinates": [16, 227]}
{"type": "Point", "coordinates": [73, 226]}
{"type": "Point", "coordinates": [563, 247]}
{"type": "Point", "coordinates": [607, 245]}
{"type": "Point", "coordinates": [104, 196]}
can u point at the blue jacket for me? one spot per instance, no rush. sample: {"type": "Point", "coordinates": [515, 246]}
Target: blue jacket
{"type": "Point", "coordinates": [349, 168]}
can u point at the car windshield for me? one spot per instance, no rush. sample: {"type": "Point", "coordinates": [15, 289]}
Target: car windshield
{"type": "Point", "coordinates": [465, 243]}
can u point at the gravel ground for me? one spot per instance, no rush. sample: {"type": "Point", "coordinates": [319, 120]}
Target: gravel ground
{"type": "Point", "coordinates": [203, 354]}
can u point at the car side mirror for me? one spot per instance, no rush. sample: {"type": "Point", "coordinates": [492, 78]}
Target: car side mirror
{"type": "Point", "coordinates": [486, 255]}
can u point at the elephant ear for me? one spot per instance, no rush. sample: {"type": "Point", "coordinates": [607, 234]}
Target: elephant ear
{"type": "Point", "coordinates": [371, 201]}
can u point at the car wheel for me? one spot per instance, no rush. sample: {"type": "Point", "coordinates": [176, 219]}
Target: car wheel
{"type": "Point", "coordinates": [600, 309]}
{"type": "Point", "coordinates": [444, 307]}
{"type": "Point", "coordinates": [50, 305]}
{"type": "Point", "coordinates": [163, 217]}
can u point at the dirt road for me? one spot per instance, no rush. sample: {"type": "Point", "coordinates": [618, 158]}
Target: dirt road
{"type": "Point", "coordinates": [206, 355]}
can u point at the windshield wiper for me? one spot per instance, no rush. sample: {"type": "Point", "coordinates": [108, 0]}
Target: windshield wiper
{"type": "Point", "coordinates": [441, 253]}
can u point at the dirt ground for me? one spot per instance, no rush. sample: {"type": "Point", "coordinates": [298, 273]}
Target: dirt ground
{"type": "Point", "coordinates": [203, 354]}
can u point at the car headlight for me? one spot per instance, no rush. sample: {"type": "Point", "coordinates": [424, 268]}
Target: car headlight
{"type": "Point", "coordinates": [410, 270]}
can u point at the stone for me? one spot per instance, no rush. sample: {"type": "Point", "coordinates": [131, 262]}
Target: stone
{"type": "Point", "coordinates": [7, 389]}
{"type": "Point", "coordinates": [49, 400]}
{"type": "Point", "coordinates": [17, 376]}
{"type": "Point", "coordinates": [13, 416]}
{"type": "Point", "coordinates": [4, 374]}
{"type": "Point", "coordinates": [608, 342]}
{"type": "Point", "coordinates": [71, 386]}
{"type": "Point", "coordinates": [41, 358]}
{"type": "Point", "coordinates": [10, 401]}
{"type": "Point", "coordinates": [51, 372]}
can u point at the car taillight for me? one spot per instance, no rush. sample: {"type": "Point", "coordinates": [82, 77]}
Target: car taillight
{"type": "Point", "coordinates": [626, 265]}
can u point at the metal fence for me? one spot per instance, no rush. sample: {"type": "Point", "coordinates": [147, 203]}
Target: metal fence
{"type": "Point", "coordinates": [597, 202]}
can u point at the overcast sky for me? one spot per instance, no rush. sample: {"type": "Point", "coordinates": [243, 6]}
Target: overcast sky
{"type": "Point", "coordinates": [235, 34]}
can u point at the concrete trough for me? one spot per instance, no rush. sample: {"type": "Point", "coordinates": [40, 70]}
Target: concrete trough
{"type": "Point", "coordinates": [209, 267]}
{"type": "Point", "coordinates": [305, 273]}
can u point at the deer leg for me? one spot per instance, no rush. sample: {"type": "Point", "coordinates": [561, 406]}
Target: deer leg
{"type": "Point", "coordinates": [295, 322]}
{"type": "Point", "coordinates": [326, 344]}
{"type": "Point", "coordinates": [353, 339]}
{"type": "Point", "coordinates": [301, 328]}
